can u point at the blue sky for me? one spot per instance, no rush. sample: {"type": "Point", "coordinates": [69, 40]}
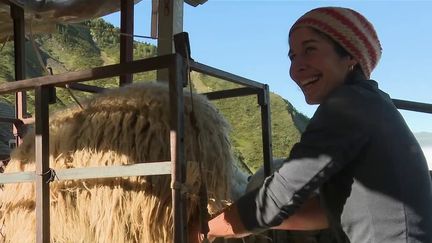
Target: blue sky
{"type": "Point", "coordinates": [249, 38]}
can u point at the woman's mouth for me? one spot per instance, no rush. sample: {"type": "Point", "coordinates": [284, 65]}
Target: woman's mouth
{"type": "Point", "coordinates": [307, 82]}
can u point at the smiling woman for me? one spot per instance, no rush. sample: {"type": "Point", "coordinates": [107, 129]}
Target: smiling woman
{"type": "Point", "coordinates": [316, 67]}
{"type": "Point", "coordinates": [357, 152]}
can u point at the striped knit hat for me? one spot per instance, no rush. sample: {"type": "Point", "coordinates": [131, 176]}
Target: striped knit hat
{"type": "Point", "coordinates": [349, 29]}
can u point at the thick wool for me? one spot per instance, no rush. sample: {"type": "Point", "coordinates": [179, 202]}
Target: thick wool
{"type": "Point", "coordinates": [125, 126]}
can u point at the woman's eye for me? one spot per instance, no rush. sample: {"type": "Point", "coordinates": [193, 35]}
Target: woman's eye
{"type": "Point", "coordinates": [309, 49]}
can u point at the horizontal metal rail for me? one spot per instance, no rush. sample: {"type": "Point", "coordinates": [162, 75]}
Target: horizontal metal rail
{"type": "Point", "coordinates": [140, 169]}
{"type": "Point", "coordinates": [85, 88]}
{"type": "Point", "coordinates": [202, 68]}
{"type": "Point", "coordinates": [143, 65]}
{"type": "Point", "coordinates": [17, 177]}
{"type": "Point", "coordinates": [413, 106]}
{"type": "Point", "coordinates": [231, 93]}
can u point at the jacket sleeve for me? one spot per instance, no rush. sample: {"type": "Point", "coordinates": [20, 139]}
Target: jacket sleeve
{"type": "Point", "coordinates": [334, 137]}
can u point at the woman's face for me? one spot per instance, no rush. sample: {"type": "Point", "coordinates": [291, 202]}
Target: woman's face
{"type": "Point", "coordinates": [315, 66]}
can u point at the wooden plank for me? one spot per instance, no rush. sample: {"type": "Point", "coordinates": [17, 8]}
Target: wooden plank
{"type": "Point", "coordinates": [142, 65]}
{"type": "Point", "coordinates": [154, 19]}
{"type": "Point", "coordinates": [170, 22]}
{"type": "Point", "coordinates": [42, 165]}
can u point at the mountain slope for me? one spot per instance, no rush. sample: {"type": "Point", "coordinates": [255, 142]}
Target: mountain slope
{"type": "Point", "coordinates": [95, 43]}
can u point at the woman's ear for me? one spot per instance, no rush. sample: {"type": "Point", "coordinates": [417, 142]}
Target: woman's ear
{"type": "Point", "coordinates": [351, 61]}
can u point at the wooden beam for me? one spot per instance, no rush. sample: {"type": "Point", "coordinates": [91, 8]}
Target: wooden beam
{"type": "Point", "coordinates": [170, 22]}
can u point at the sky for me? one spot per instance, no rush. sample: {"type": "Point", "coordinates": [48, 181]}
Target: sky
{"type": "Point", "coordinates": [250, 38]}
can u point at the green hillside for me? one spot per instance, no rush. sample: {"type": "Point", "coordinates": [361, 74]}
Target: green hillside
{"type": "Point", "coordinates": [96, 43]}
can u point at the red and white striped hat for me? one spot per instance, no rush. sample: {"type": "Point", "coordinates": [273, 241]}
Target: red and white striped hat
{"type": "Point", "coordinates": [348, 28]}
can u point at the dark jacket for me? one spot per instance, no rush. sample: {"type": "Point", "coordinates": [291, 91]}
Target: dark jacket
{"type": "Point", "coordinates": [371, 173]}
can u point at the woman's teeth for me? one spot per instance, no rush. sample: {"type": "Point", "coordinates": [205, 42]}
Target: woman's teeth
{"type": "Point", "coordinates": [309, 81]}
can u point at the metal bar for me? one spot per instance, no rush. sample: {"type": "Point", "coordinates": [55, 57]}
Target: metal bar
{"type": "Point", "coordinates": [230, 93]}
{"type": "Point", "coordinates": [86, 88]}
{"type": "Point", "coordinates": [15, 2]}
{"type": "Point", "coordinates": [42, 165]}
{"type": "Point", "coordinates": [267, 146]}
{"type": "Point", "coordinates": [17, 177]}
{"type": "Point", "coordinates": [178, 175]}
{"type": "Point", "coordinates": [264, 102]}
{"type": "Point", "coordinates": [412, 106]}
{"type": "Point", "coordinates": [126, 41]}
{"type": "Point", "coordinates": [140, 169]}
{"type": "Point", "coordinates": [142, 65]}
{"type": "Point", "coordinates": [202, 68]}
{"type": "Point", "coordinates": [17, 14]}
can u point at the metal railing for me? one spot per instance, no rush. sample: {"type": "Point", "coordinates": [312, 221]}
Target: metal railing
{"type": "Point", "coordinates": [177, 166]}
{"type": "Point", "coordinates": [176, 66]}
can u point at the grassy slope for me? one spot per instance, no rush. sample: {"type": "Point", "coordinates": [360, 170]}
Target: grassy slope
{"type": "Point", "coordinates": [95, 43]}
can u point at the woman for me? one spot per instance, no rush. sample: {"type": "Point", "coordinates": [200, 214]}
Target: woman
{"type": "Point", "coordinates": [357, 168]}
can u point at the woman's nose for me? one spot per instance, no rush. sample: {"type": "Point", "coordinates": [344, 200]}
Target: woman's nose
{"type": "Point", "coordinates": [298, 65]}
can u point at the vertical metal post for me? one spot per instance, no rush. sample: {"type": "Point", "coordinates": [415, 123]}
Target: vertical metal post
{"type": "Point", "coordinates": [178, 174]}
{"type": "Point", "coordinates": [17, 14]}
{"type": "Point", "coordinates": [126, 41]}
{"type": "Point", "coordinates": [264, 102]}
{"type": "Point", "coordinates": [42, 165]}
{"type": "Point", "coordinates": [170, 22]}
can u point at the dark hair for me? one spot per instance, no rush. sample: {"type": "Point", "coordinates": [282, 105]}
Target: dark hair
{"type": "Point", "coordinates": [357, 72]}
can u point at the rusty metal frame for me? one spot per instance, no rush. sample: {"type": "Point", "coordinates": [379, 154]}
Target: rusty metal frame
{"type": "Point", "coordinates": [251, 88]}
{"type": "Point", "coordinates": [17, 15]}
{"type": "Point", "coordinates": [177, 68]}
